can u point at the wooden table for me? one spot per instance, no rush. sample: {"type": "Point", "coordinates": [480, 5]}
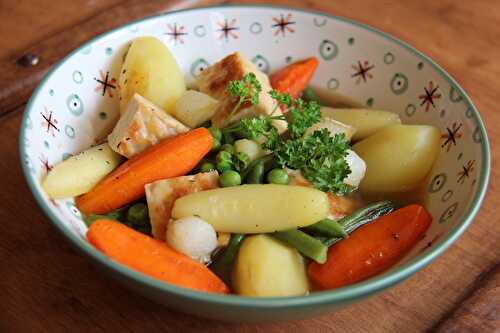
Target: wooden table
{"type": "Point", "coordinates": [47, 287]}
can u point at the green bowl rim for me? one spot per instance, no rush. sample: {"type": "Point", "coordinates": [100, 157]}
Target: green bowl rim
{"type": "Point", "coordinates": [340, 295]}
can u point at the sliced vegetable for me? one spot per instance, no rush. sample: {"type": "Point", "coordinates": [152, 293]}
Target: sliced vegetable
{"type": "Point", "coordinates": [372, 248]}
{"type": "Point", "coordinates": [255, 208]}
{"type": "Point", "coordinates": [150, 70]}
{"type": "Point", "coordinates": [305, 244]}
{"type": "Point", "coordinates": [398, 158]}
{"type": "Point", "coordinates": [169, 158]}
{"type": "Point", "coordinates": [223, 264]}
{"type": "Point", "coordinates": [294, 78]}
{"type": "Point", "coordinates": [365, 121]}
{"type": "Point", "coordinates": [265, 267]}
{"type": "Point", "coordinates": [80, 173]}
{"type": "Point", "coordinates": [193, 108]}
{"type": "Point", "coordinates": [193, 237]}
{"type": "Point", "coordinates": [152, 257]}
{"type": "Point", "coordinates": [162, 194]}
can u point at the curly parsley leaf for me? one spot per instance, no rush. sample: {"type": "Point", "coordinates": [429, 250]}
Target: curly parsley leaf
{"type": "Point", "coordinates": [244, 90]}
{"type": "Point", "coordinates": [320, 157]}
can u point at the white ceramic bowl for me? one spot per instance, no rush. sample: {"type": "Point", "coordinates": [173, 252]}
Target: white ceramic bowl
{"type": "Point", "coordinates": [77, 104]}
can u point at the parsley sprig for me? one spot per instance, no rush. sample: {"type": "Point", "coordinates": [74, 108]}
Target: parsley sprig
{"type": "Point", "coordinates": [320, 156]}
{"type": "Point", "coordinates": [245, 90]}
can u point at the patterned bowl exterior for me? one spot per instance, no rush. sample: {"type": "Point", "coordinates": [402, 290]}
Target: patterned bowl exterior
{"type": "Point", "coordinates": [77, 104]}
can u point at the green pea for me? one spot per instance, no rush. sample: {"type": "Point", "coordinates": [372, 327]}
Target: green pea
{"type": "Point", "coordinates": [137, 213]}
{"type": "Point", "coordinates": [207, 166]}
{"type": "Point", "coordinates": [224, 161]}
{"type": "Point", "coordinates": [278, 176]}
{"type": "Point", "coordinates": [228, 147]}
{"type": "Point", "coordinates": [224, 166]}
{"type": "Point", "coordinates": [216, 133]}
{"type": "Point", "coordinates": [256, 174]}
{"type": "Point", "coordinates": [215, 145]}
{"type": "Point", "coordinates": [230, 178]}
{"type": "Point", "coordinates": [241, 161]}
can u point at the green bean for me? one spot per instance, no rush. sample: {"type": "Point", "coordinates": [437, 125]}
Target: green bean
{"type": "Point", "coordinates": [222, 266]}
{"type": "Point", "coordinates": [91, 218]}
{"type": "Point", "coordinates": [138, 213]}
{"type": "Point", "coordinates": [256, 174]}
{"type": "Point", "coordinates": [241, 161]}
{"type": "Point", "coordinates": [305, 244]}
{"type": "Point", "coordinates": [328, 228]}
{"type": "Point", "coordinates": [230, 178]}
{"type": "Point", "coordinates": [278, 176]}
{"type": "Point", "coordinates": [361, 217]}
{"type": "Point", "coordinates": [268, 164]}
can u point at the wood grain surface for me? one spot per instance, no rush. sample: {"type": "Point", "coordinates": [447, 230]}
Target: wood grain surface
{"type": "Point", "coordinates": [47, 287]}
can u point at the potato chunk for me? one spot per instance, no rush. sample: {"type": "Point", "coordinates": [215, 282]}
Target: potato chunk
{"type": "Point", "coordinates": [214, 80]}
{"type": "Point", "coordinates": [265, 267]}
{"type": "Point", "coordinates": [142, 125]}
{"type": "Point", "coordinates": [398, 158]}
{"type": "Point", "coordinates": [150, 70]}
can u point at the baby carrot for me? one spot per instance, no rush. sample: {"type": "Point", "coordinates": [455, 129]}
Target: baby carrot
{"type": "Point", "coordinates": [171, 157]}
{"type": "Point", "coordinates": [372, 248]}
{"type": "Point", "coordinates": [294, 78]}
{"type": "Point", "coordinates": [152, 257]}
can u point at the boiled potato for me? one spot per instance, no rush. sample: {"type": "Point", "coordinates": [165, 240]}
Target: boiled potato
{"type": "Point", "coordinates": [398, 158]}
{"type": "Point", "coordinates": [265, 267]}
{"type": "Point", "coordinates": [80, 173]}
{"type": "Point", "coordinates": [255, 208]}
{"type": "Point", "coordinates": [193, 108]}
{"type": "Point", "coordinates": [333, 126]}
{"type": "Point", "coordinates": [365, 121]}
{"type": "Point", "coordinates": [151, 71]}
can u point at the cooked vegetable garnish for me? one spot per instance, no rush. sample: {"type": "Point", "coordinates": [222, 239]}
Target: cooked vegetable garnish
{"type": "Point", "coordinates": [152, 257]}
{"type": "Point", "coordinates": [278, 176]}
{"type": "Point", "coordinates": [169, 158]}
{"type": "Point", "coordinates": [223, 263]}
{"type": "Point", "coordinates": [305, 244]}
{"type": "Point", "coordinates": [372, 248]}
{"type": "Point", "coordinates": [230, 178]}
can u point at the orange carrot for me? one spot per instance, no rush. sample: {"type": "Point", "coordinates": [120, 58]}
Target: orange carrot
{"type": "Point", "coordinates": [372, 248]}
{"type": "Point", "coordinates": [152, 257]}
{"type": "Point", "coordinates": [293, 79]}
{"type": "Point", "coordinates": [171, 157]}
